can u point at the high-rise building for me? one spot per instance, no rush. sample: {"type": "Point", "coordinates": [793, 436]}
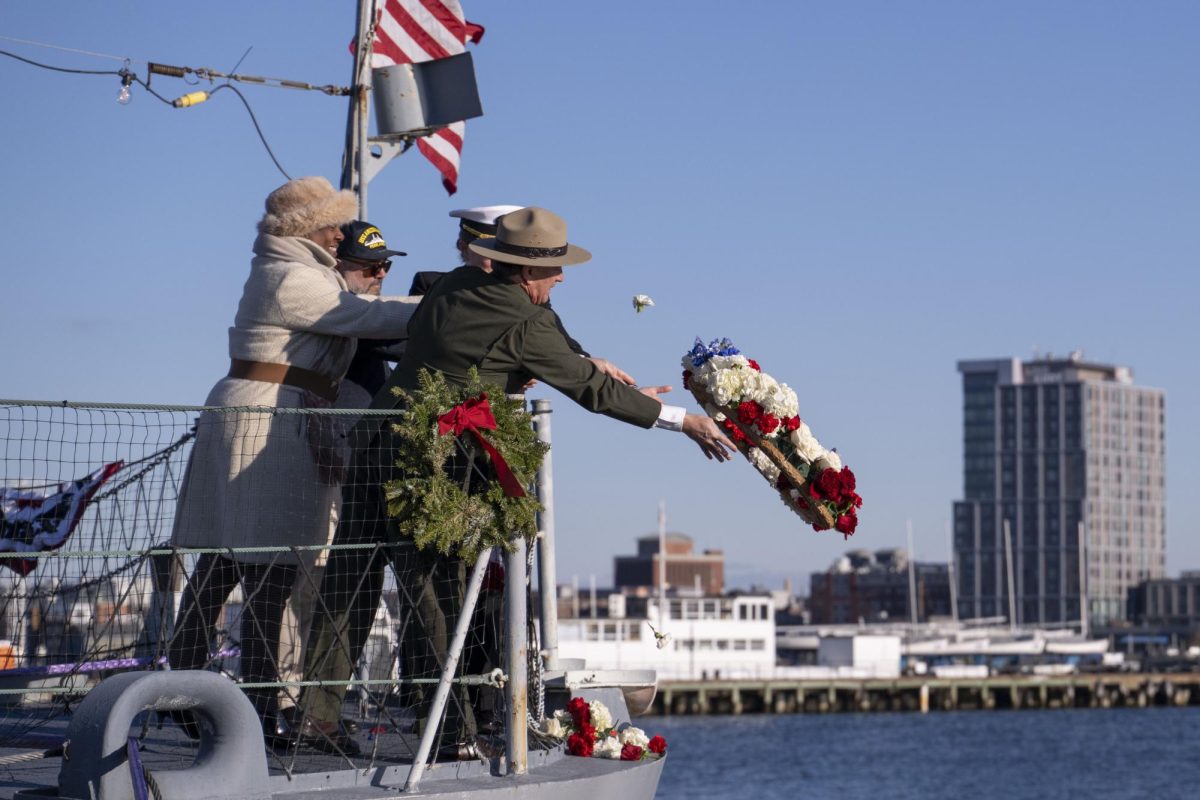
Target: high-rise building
{"type": "Point", "coordinates": [1048, 445]}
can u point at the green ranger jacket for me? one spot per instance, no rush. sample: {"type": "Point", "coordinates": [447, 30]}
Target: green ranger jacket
{"type": "Point", "coordinates": [471, 318]}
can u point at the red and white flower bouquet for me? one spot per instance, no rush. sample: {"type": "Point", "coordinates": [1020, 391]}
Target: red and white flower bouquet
{"type": "Point", "coordinates": [762, 417]}
{"type": "Point", "coordinates": [590, 733]}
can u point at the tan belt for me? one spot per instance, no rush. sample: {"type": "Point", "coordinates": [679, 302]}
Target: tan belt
{"type": "Point", "coordinates": [287, 374]}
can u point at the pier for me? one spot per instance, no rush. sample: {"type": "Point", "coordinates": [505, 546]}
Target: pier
{"type": "Point", "coordinates": [923, 694]}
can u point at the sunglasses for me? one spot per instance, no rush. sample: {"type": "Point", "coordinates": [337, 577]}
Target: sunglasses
{"type": "Point", "coordinates": [370, 267]}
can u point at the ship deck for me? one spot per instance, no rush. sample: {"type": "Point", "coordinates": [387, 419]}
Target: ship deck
{"type": "Point", "coordinates": [304, 774]}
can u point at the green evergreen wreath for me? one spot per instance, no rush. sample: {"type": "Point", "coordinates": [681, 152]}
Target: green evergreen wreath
{"type": "Point", "coordinates": [438, 513]}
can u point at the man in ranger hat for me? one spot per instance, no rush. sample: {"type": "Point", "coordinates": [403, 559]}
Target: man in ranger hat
{"type": "Point", "coordinates": [496, 322]}
{"type": "Point", "coordinates": [479, 224]}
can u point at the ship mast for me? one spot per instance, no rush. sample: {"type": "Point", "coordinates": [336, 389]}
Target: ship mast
{"type": "Point", "coordinates": [357, 151]}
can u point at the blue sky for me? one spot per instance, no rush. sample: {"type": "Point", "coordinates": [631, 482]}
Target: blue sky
{"type": "Point", "coordinates": [858, 194]}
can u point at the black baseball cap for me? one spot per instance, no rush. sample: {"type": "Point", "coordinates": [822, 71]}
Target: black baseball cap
{"type": "Point", "coordinates": [363, 241]}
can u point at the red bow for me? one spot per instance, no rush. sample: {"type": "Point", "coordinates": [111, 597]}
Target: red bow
{"type": "Point", "coordinates": [475, 415]}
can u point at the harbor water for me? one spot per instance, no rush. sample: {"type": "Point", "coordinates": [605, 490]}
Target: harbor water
{"type": "Point", "coordinates": [1092, 753]}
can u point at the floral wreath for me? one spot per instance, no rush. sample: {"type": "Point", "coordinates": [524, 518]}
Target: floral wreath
{"type": "Point", "coordinates": [463, 518]}
{"type": "Point", "coordinates": [590, 732]}
{"type": "Point", "coordinates": [761, 415]}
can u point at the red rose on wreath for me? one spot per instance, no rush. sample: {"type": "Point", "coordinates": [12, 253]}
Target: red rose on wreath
{"type": "Point", "coordinates": [657, 745]}
{"type": "Point", "coordinates": [767, 423]}
{"type": "Point", "coordinates": [748, 412]}
{"type": "Point", "coordinates": [580, 745]}
{"type": "Point", "coordinates": [754, 365]}
{"type": "Point", "coordinates": [829, 484]}
{"type": "Point", "coordinates": [579, 711]}
{"type": "Point", "coordinates": [631, 752]}
{"type": "Point", "coordinates": [791, 424]}
{"type": "Point", "coordinates": [849, 484]}
{"type": "Point", "coordinates": [735, 432]}
{"type": "Point", "coordinates": [687, 379]}
{"type": "Point", "coordinates": [846, 524]}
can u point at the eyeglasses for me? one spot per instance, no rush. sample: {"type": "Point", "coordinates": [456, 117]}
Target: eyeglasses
{"type": "Point", "coordinates": [370, 267]}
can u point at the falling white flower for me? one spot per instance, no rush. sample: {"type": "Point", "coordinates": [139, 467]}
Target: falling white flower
{"type": "Point", "coordinates": [641, 302]}
{"type": "Point", "coordinates": [661, 640]}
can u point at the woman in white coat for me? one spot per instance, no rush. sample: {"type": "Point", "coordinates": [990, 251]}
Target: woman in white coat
{"type": "Point", "coordinates": [269, 480]}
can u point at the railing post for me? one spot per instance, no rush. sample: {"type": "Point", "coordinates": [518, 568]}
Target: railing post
{"type": "Point", "coordinates": [448, 669]}
{"type": "Point", "coordinates": [516, 689]}
{"type": "Point", "coordinates": [547, 568]}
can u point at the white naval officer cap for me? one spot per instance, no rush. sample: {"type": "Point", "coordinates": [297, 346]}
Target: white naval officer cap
{"type": "Point", "coordinates": [480, 222]}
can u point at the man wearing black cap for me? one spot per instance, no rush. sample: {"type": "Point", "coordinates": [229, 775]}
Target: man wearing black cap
{"type": "Point", "coordinates": [363, 260]}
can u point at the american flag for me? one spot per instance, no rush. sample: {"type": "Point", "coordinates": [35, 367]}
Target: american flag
{"type": "Point", "coordinates": [409, 31]}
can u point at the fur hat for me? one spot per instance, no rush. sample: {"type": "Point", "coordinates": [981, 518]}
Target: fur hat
{"type": "Point", "coordinates": [305, 205]}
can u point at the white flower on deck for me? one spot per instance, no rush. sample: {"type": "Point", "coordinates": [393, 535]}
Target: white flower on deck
{"type": "Point", "coordinates": [634, 736]}
{"type": "Point", "coordinates": [641, 302]}
{"type": "Point", "coordinates": [553, 726]}
{"type": "Point", "coordinates": [609, 747]}
{"type": "Point", "coordinates": [601, 718]}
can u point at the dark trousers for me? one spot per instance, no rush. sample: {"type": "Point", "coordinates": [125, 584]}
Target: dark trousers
{"type": "Point", "coordinates": [431, 590]}
{"type": "Point", "coordinates": [266, 588]}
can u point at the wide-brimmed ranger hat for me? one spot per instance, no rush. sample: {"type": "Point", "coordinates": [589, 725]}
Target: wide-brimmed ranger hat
{"type": "Point", "coordinates": [531, 237]}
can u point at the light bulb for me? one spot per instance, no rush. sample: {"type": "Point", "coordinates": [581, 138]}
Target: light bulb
{"type": "Point", "coordinates": [124, 96]}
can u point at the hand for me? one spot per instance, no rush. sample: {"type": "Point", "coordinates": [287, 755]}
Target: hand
{"type": "Point", "coordinates": [704, 432]}
{"type": "Point", "coordinates": [613, 371]}
{"type": "Point", "coordinates": [654, 391]}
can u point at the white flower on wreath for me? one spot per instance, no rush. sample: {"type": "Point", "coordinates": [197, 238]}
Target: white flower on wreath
{"type": "Point", "coordinates": [601, 718]}
{"type": "Point", "coordinates": [728, 386]}
{"type": "Point", "coordinates": [609, 747]}
{"type": "Point", "coordinates": [634, 736]}
{"type": "Point", "coordinates": [737, 362]}
{"type": "Point", "coordinates": [805, 444]}
{"type": "Point", "coordinates": [763, 464]}
{"type": "Point", "coordinates": [829, 460]}
{"type": "Point", "coordinates": [787, 403]}
{"type": "Point", "coordinates": [762, 388]}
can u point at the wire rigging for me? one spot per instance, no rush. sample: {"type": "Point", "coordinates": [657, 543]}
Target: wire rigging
{"type": "Point", "coordinates": [254, 119]}
{"type": "Point", "coordinates": [62, 69]}
{"type": "Point", "coordinates": [128, 76]}
{"type": "Point", "coordinates": [64, 49]}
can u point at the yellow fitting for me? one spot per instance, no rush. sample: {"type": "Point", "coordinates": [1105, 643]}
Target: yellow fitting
{"type": "Point", "coordinates": [190, 99]}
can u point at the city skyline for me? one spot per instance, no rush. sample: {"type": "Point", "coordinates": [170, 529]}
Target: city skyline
{"type": "Point", "coordinates": [858, 197]}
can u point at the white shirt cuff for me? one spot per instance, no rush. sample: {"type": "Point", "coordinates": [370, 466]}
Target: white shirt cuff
{"type": "Point", "coordinates": [671, 417]}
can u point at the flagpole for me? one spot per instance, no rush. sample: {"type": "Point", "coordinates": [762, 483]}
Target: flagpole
{"type": "Point", "coordinates": [354, 163]}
